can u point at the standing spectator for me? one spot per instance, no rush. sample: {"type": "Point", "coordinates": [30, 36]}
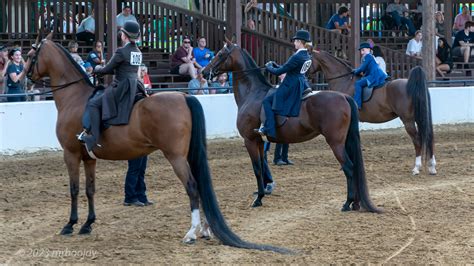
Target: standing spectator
{"type": "Point", "coordinates": [414, 45]}
{"type": "Point", "coordinates": [397, 12]}
{"type": "Point", "coordinates": [16, 71]}
{"type": "Point", "coordinates": [198, 85]}
{"type": "Point", "coordinates": [96, 56]}
{"type": "Point", "coordinates": [86, 30]}
{"type": "Point", "coordinates": [220, 83]}
{"type": "Point", "coordinates": [461, 19]}
{"type": "Point", "coordinates": [439, 24]}
{"type": "Point", "coordinates": [183, 62]}
{"type": "Point", "coordinates": [444, 60]}
{"type": "Point", "coordinates": [144, 77]}
{"type": "Point", "coordinates": [124, 16]}
{"type": "Point", "coordinates": [339, 22]}
{"type": "Point", "coordinates": [377, 52]}
{"type": "Point", "coordinates": [202, 54]}
{"type": "Point", "coordinates": [135, 188]}
{"type": "Point", "coordinates": [464, 41]}
{"type": "Point", "coordinates": [73, 46]}
{"type": "Point", "coordinates": [3, 69]}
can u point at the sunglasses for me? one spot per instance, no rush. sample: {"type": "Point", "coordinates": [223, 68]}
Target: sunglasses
{"type": "Point", "coordinates": [186, 42]}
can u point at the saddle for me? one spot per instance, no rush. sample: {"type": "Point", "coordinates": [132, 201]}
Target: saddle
{"type": "Point", "coordinates": [367, 92]}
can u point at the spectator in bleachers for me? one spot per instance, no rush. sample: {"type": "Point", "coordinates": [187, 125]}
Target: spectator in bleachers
{"type": "Point", "coordinates": [444, 60]}
{"type": "Point", "coordinates": [183, 62]}
{"type": "Point", "coordinates": [250, 41]}
{"type": "Point", "coordinates": [461, 19]}
{"type": "Point", "coordinates": [414, 45]}
{"type": "Point", "coordinates": [69, 19]}
{"type": "Point", "coordinates": [3, 69]}
{"type": "Point", "coordinates": [124, 16]}
{"type": "Point", "coordinates": [339, 22]}
{"type": "Point", "coordinates": [86, 30]}
{"type": "Point", "coordinates": [202, 54]}
{"type": "Point", "coordinates": [221, 82]}
{"type": "Point", "coordinates": [397, 12]}
{"type": "Point", "coordinates": [377, 52]}
{"type": "Point", "coordinates": [144, 77]}
{"type": "Point", "coordinates": [198, 85]}
{"type": "Point", "coordinates": [96, 56]}
{"type": "Point", "coordinates": [439, 24]}
{"type": "Point", "coordinates": [464, 41]}
{"type": "Point", "coordinates": [88, 68]}
{"type": "Point", "coordinates": [73, 46]}
{"type": "Point", "coordinates": [47, 20]}
{"type": "Point", "coordinates": [16, 72]}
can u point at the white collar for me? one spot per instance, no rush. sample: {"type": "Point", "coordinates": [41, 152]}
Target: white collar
{"type": "Point", "coordinates": [302, 49]}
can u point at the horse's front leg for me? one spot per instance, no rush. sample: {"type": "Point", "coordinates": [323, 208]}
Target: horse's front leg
{"type": "Point", "coordinates": [260, 168]}
{"type": "Point", "coordinates": [72, 161]}
{"type": "Point", "coordinates": [89, 167]}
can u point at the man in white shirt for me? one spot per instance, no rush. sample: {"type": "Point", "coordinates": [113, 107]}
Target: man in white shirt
{"type": "Point", "coordinates": [125, 16]}
{"type": "Point", "coordinates": [86, 30]}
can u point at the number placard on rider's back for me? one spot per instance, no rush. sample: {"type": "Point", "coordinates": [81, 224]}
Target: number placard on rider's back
{"type": "Point", "coordinates": [135, 58]}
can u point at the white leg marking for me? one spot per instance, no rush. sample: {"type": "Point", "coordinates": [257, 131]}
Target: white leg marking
{"type": "Point", "coordinates": [416, 169]}
{"type": "Point", "coordinates": [206, 230]}
{"type": "Point", "coordinates": [432, 166]}
{"type": "Point", "coordinates": [195, 225]}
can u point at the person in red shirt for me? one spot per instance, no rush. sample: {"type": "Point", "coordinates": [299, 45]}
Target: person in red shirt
{"type": "Point", "coordinates": [144, 77]}
{"type": "Point", "coordinates": [183, 62]}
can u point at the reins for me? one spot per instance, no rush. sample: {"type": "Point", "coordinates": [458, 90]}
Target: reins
{"type": "Point", "coordinates": [340, 76]}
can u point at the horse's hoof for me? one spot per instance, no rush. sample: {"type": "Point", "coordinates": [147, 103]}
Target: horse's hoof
{"type": "Point", "coordinates": [433, 171]}
{"type": "Point", "coordinates": [189, 241]}
{"type": "Point", "coordinates": [67, 230]}
{"type": "Point", "coordinates": [205, 237]}
{"type": "Point", "coordinates": [346, 208]}
{"type": "Point", "coordinates": [85, 230]}
{"type": "Point", "coordinates": [415, 171]}
{"type": "Point", "coordinates": [257, 203]}
{"type": "Point", "coordinates": [355, 206]}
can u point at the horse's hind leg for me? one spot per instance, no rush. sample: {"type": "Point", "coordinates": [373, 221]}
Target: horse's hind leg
{"type": "Point", "coordinates": [89, 167]}
{"type": "Point", "coordinates": [72, 161]}
{"type": "Point", "coordinates": [410, 127]}
{"type": "Point", "coordinates": [182, 170]}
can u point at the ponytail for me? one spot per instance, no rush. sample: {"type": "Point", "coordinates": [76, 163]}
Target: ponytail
{"type": "Point", "coordinates": [308, 46]}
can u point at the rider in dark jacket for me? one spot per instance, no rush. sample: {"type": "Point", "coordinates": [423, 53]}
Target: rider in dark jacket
{"type": "Point", "coordinates": [114, 106]}
{"type": "Point", "coordinates": [286, 101]}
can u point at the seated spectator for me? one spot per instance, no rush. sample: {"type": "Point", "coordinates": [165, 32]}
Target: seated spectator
{"type": "Point", "coordinates": [86, 30]}
{"type": "Point", "coordinates": [183, 62]}
{"type": "Point", "coordinates": [397, 12]}
{"type": "Point", "coordinates": [461, 19]}
{"type": "Point", "coordinates": [72, 46]}
{"type": "Point", "coordinates": [198, 85]}
{"type": "Point", "coordinates": [202, 54]}
{"type": "Point", "coordinates": [16, 72]}
{"type": "Point", "coordinates": [439, 24]}
{"type": "Point", "coordinates": [463, 42]}
{"type": "Point", "coordinates": [96, 56]}
{"type": "Point", "coordinates": [377, 53]}
{"type": "Point", "coordinates": [339, 22]}
{"type": "Point", "coordinates": [444, 61]}
{"type": "Point", "coordinates": [4, 61]}
{"type": "Point", "coordinates": [414, 45]}
{"type": "Point", "coordinates": [144, 77]}
{"type": "Point", "coordinates": [124, 16]}
{"type": "Point", "coordinates": [220, 83]}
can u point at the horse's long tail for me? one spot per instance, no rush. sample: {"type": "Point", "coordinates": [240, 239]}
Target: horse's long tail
{"type": "Point", "coordinates": [417, 88]}
{"type": "Point", "coordinates": [197, 158]}
{"type": "Point", "coordinates": [354, 152]}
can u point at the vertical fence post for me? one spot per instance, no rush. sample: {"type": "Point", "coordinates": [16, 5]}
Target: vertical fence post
{"type": "Point", "coordinates": [428, 51]}
{"type": "Point", "coordinates": [234, 20]}
{"type": "Point", "coordinates": [355, 32]}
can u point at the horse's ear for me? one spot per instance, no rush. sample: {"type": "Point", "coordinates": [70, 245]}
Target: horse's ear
{"type": "Point", "coordinates": [233, 39]}
{"type": "Point", "coordinates": [49, 36]}
{"type": "Point", "coordinates": [227, 41]}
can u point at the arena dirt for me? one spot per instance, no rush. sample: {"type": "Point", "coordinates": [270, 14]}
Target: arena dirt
{"type": "Point", "coordinates": [427, 219]}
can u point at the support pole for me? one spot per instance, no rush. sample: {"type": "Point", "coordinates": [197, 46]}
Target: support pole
{"type": "Point", "coordinates": [428, 50]}
{"type": "Point", "coordinates": [234, 18]}
{"type": "Point", "coordinates": [448, 19]}
{"type": "Point", "coordinates": [354, 40]}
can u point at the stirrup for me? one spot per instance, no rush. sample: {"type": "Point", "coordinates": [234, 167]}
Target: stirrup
{"type": "Point", "coordinates": [81, 135]}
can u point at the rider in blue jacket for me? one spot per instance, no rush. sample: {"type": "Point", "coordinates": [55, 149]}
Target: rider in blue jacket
{"type": "Point", "coordinates": [286, 101]}
{"type": "Point", "coordinates": [373, 75]}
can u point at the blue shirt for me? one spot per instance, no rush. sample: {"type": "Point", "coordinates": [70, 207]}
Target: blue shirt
{"type": "Point", "coordinates": [90, 58]}
{"type": "Point", "coordinates": [336, 18]}
{"type": "Point", "coordinates": [200, 56]}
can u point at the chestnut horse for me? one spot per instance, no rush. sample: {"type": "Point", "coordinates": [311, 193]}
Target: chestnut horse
{"type": "Point", "coordinates": [170, 122]}
{"type": "Point", "coordinates": [407, 99]}
{"type": "Point", "coordinates": [332, 114]}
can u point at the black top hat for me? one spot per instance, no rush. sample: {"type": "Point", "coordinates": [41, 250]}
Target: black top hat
{"type": "Point", "coordinates": [302, 35]}
{"type": "Point", "coordinates": [131, 29]}
{"type": "Point", "coordinates": [364, 45]}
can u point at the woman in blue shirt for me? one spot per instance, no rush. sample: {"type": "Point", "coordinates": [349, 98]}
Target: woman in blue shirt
{"type": "Point", "coordinates": [15, 73]}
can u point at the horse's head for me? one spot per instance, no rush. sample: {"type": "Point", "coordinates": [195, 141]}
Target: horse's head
{"type": "Point", "coordinates": [328, 64]}
{"type": "Point", "coordinates": [316, 63]}
{"type": "Point", "coordinates": [226, 60]}
{"type": "Point", "coordinates": [38, 68]}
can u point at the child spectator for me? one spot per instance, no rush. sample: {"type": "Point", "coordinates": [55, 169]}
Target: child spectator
{"type": "Point", "coordinates": [72, 46]}
{"type": "Point", "coordinates": [144, 77]}
{"type": "Point", "coordinates": [220, 83]}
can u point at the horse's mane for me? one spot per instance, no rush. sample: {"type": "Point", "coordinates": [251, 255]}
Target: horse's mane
{"type": "Point", "coordinates": [250, 63]}
{"type": "Point", "coordinates": [75, 64]}
{"type": "Point", "coordinates": [343, 62]}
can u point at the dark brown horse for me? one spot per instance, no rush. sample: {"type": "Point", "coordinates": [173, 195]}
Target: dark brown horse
{"type": "Point", "coordinates": [170, 122]}
{"type": "Point", "coordinates": [407, 99]}
{"type": "Point", "coordinates": [331, 114]}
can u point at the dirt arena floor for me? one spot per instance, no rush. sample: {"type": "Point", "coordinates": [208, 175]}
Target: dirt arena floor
{"type": "Point", "coordinates": [427, 219]}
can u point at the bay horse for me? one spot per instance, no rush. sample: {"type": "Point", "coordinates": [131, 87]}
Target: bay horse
{"type": "Point", "coordinates": [331, 114]}
{"type": "Point", "coordinates": [171, 122]}
{"type": "Point", "coordinates": [408, 99]}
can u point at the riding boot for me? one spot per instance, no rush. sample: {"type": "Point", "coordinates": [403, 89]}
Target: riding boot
{"type": "Point", "coordinates": [91, 140]}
